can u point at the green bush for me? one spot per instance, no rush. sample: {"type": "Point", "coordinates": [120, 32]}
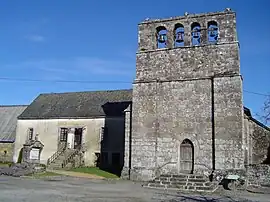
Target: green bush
{"type": "Point", "coordinates": [42, 165]}
{"type": "Point", "coordinates": [20, 156]}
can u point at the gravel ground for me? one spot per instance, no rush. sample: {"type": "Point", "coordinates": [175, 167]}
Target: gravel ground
{"type": "Point", "coordinates": [61, 189]}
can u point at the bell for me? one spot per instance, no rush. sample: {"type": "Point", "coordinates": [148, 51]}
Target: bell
{"type": "Point", "coordinates": [179, 37]}
{"type": "Point", "coordinates": [162, 38]}
{"type": "Point", "coordinates": [196, 33]}
{"type": "Point", "coordinates": [213, 32]}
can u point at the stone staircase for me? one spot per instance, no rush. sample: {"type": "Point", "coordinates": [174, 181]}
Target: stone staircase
{"type": "Point", "coordinates": [63, 160]}
{"type": "Point", "coordinates": [57, 163]}
{"type": "Point", "coordinates": [183, 182]}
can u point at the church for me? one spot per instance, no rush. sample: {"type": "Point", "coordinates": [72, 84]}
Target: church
{"type": "Point", "coordinates": [184, 114]}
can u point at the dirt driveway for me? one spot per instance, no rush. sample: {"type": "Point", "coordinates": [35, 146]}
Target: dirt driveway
{"type": "Point", "coordinates": [62, 188]}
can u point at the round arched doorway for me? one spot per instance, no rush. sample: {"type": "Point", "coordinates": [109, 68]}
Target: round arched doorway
{"type": "Point", "coordinates": [186, 157]}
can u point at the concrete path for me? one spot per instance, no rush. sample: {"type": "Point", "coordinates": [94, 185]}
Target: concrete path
{"type": "Point", "coordinates": [76, 174]}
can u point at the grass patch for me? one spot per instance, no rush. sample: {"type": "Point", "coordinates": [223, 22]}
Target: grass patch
{"type": "Point", "coordinates": [94, 171]}
{"type": "Point", "coordinates": [2, 164]}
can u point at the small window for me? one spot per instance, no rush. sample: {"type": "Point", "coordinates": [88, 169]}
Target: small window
{"type": "Point", "coordinates": [30, 133]}
{"type": "Point", "coordinates": [63, 134]}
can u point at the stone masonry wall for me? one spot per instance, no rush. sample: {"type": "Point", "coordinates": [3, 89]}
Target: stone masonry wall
{"type": "Point", "coordinates": [258, 136]}
{"type": "Point", "coordinates": [229, 123]}
{"type": "Point", "coordinates": [258, 175]}
{"type": "Point", "coordinates": [175, 111]}
{"type": "Point", "coordinates": [188, 63]}
{"type": "Point", "coordinates": [261, 144]}
{"type": "Point", "coordinates": [226, 23]}
{"type": "Point", "coordinates": [127, 155]}
{"type": "Point", "coordinates": [6, 156]}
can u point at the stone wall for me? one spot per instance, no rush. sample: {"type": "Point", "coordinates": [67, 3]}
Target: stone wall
{"type": "Point", "coordinates": [229, 151]}
{"type": "Point", "coordinates": [185, 93]}
{"type": "Point", "coordinates": [186, 63]}
{"type": "Point", "coordinates": [127, 150]}
{"type": "Point", "coordinates": [6, 151]}
{"type": "Point", "coordinates": [258, 174]}
{"type": "Point", "coordinates": [226, 23]}
{"type": "Point", "coordinates": [257, 141]}
{"type": "Point", "coordinates": [260, 144]}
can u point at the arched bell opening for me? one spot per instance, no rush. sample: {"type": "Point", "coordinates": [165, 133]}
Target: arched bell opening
{"type": "Point", "coordinates": [195, 33]}
{"type": "Point", "coordinates": [212, 31]}
{"type": "Point", "coordinates": [161, 37]}
{"type": "Point", "coordinates": [179, 34]}
{"type": "Point", "coordinates": [186, 157]}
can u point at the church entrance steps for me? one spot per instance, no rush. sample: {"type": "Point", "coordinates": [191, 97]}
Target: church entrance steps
{"type": "Point", "coordinates": [184, 182]}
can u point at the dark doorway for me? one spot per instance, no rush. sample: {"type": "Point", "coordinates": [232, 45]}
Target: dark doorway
{"type": "Point", "coordinates": [186, 157]}
{"type": "Point", "coordinates": [113, 137]}
{"type": "Point", "coordinates": [77, 138]}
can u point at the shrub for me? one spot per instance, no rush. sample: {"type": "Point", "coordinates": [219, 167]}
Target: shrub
{"type": "Point", "coordinates": [20, 156]}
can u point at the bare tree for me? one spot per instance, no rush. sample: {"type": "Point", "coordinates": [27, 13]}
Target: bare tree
{"type": "Point", "coordinates": [266, 110]}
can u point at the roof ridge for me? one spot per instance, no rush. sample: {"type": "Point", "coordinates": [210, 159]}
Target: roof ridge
{"type": "Point", "coordinates": [94, 91]}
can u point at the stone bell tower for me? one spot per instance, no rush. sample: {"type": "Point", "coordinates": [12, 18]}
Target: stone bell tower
{"type": "Point", "coordinates": [187, 114]}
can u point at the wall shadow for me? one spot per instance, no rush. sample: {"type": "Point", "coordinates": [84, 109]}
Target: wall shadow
{"type": "Point", "coordinates": [112, 146]}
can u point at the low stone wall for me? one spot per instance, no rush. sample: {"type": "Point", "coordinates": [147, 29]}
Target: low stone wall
{"type": "Point", "coordinates": [6, 151]}
{"type": "Point", "coordinates": [21, 169]}
{"type": "Point", "coordinates": [258, 174]}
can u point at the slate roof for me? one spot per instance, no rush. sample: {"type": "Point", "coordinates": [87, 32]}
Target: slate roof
{"type": "Point", "coordinates": [74, 104]}
{"type": "Point", "coordinates": [8, 122]}
{"type": "Point", "coordinates": [248, 113]}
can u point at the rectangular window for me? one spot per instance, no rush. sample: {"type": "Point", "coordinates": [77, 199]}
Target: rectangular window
{"type": "Point", "coordinates": [30, 133]}
{"type": "Point", "coordinates": [63, 134]}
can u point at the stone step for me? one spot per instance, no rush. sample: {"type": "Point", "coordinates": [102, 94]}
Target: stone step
{"type": "Point", "coordinates": [57, 162]}
{"type": "Point", "coordinates": [182, 187]}
{"type": "Point", "coordinates": [198, 180]}
{"type": "Point", "coordinates": [182, 176]}
{"type": "Point", "coordinates": [54, 167]}
{"type": "Point", "coordinates": [173, 176]}
{"type": "Point", "coordinates": [175, 180]}
{"type": "Point", "coordinates": [185, 182]}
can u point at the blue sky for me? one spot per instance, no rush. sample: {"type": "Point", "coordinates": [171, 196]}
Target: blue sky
{"type": "Point", "coordinates": [97, 40]}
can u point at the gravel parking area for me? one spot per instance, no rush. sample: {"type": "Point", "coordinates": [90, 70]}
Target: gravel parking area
{"type": "Point", "coordinates": [61, 189]}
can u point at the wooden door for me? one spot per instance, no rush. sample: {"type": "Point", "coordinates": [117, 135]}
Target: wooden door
{"type": "Point", "coordinates": [77, 138]}
{"type": "Point", "coordinates": [186, 157]}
